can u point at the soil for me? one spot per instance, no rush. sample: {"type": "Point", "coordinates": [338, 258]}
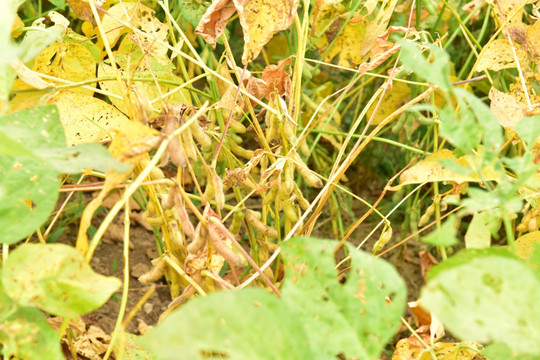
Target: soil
{"type": "Point", "coordinates": [108, 260]}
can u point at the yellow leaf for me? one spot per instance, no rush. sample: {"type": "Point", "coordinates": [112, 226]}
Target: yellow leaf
{"type": "Point", "coordinates": [506, 108]}
{"type": "Point", "coordinates": [260, 20]}
{"type": "Point", "coordinates": [329, 17]}
{"type": "Point", "coordinates": [140, 17]}
{"type": "Point", "coordinates": [431, 170]}
{"type": "Point", "coordinates": [131, 65]}
{"type": "Point", "coordinates": [498, 55]}
{"type": "Point", "coordinates": [411, 349]}
{"type": "Point", "coordinates": [392, 100]}
{"type": "Point", "coordinates": [525, 244]}
{"type": "Point", "coordinates": [69, 61]}
{"type": "Point", "coordinates": [378, 25]}
{"type": "Point", "coordinates": [87, 119]}
{"type": "Point", "coordinates": [17, 24]}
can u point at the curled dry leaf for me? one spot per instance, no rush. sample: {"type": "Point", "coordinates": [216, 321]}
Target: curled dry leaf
{"type": "Point", "coordinates": [260, 20]}
{"type": "Point", "coordinates": [214, 21]}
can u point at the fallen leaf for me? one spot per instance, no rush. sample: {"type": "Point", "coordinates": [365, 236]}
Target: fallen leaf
{"type": "Point", "coordinates": [426, 262]}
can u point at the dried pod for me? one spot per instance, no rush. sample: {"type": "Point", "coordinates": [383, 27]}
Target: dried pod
{"type": "Point", "coordinates": [187, 226]}
{"type": "Point", "coordinates": [217, 238]}
{"type": "Point", "coordinates": [199, 239]}
{"type": "Point", "coordinates": [168, 202]}
{"type": "Point", "coordinates": [155, 273]}
{"type": "Point", "coordinates": [154, 220]}
{"type": "Point", "coordinates": [289, 133]}
{"type": "Point", "coordinates": [253, 220]}
{"type": "Point", "coordinates": [177, 155]}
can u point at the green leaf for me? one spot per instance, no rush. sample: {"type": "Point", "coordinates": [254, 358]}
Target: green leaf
{"type": "Point", "coordinates": [24, 332]}
{"type": "Point", "coordinates": [133, 348]}
{"type": "Point", "coordinates": [528, 129]}
{"type": "Point", "coordinates": [446, 235]}
{"type": "Point", "coordinates": [436, 72]}
{"type": "Point", "coordinates": [28, 194]}
{"type": "Point", "coordinates": [317, 318]}
{"type": "Point", "coordinates": [241, 325]}
{"type": "Point", "coordinates": [487, 296]}
{"type": "Point", "coordinates": [353, 318]}
{"type": "Point", "coordinates": [40, 131]}
{"type": "Point", "coordinates": [482, 225]}
{"type": "Point", "coordinates": [56, 279]}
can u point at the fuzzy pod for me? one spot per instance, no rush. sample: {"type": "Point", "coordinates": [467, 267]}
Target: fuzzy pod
{"type": "Point", "coordinates": [302, 201]}
{"type": "Point", "coordinates": [156, 174]}
{"type": "Point", "coordinates": [309, 176]}
{"type": "Point", "coordinates": [237, 126]}
{"type": "Point", "coordinates": [240, 151]}
{"type": "Point", "coordinates": [288, 206]}
{"type": "Point", "coordinates": [288, 179]}
{"type": "Point", "coordinates": [385, 237]}
{"type": "Point", "coordinates": [198, 133]}
{"type": "Point", "coordinates": [271, 127]}
{"type": "Point", "coordinates": [270, 196]}
{"type": "Point", "coordinates": [238, 220]}
{"type": "Point", "coordinates": [258, 225]}
{"type": "Point", "coordinates": [155, 273]}
{"type": "Point", "coordinates": [427, 215]}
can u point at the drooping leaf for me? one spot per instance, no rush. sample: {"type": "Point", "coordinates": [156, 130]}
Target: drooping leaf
{"type": "Point", "coordinates": [56, 279]}
{"type": "Point", "coordinates": [487, 296]}
{"type": "Point", "coordinates": [392, 100]}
